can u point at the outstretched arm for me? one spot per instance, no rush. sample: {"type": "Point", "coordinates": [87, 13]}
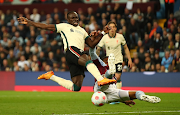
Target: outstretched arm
{"type": "Point", "coordinates": [126, 49]}
{"type": "Point", "coordinates": [95, 38]}
{"type": "Point", "coordinates": [23, 20]}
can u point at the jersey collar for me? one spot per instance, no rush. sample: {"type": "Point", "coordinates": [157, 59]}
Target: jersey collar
{"type": "Point", "coordinates": [112, 37]}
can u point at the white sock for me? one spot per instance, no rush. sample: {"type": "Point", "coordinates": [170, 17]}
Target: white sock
{"type": "Point", "coordinates": [63, 82]}
{"type": "Point", "coordinates": [91, 67]}
{"type": "Point", "coordinates": [119, 85]}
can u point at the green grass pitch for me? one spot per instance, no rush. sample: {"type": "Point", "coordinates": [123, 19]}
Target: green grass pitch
{"type": "Point", "coordinates": [79, 103]}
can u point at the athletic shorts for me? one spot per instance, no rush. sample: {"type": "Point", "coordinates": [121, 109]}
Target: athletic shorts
{"type": "Point", "coordinates": [112, 93]}
{"type": "Point", "coordinates": [118, 68]}
{"type": "Point", "coordinates": [72, 56]}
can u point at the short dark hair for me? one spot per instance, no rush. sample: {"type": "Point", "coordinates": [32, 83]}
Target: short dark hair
{"type": "Point", "coordinates": [111, 22]}
{"type": "Point", "coordinates": [70, 13]}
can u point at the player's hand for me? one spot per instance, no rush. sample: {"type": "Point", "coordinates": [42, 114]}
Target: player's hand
{"type": "Point", "coordinates": [23, 20]}
{"type": "Point", "coordinates": [94, 33]}
{"type": "Point", "coordinates": [106, 29]}
{"type": "Point", "coordinates": [130, 102]}
{"type": "Point", "coordinates": [129, 63]}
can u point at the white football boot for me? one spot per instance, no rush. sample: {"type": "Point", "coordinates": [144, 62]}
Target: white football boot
{"type": "Point", "coordinates": [111, 63]}
{"type": "Point", "coordinates": [151, 99]}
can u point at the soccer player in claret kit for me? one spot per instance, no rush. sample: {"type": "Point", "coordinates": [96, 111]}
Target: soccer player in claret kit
{"type": "Point", "coordinates": [74, 38]}
{"type": "Point", "coordinates": [114, 94]}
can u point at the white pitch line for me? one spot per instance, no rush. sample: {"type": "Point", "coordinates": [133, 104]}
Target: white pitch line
{"type": "Point", "coordinates": [123, 112]}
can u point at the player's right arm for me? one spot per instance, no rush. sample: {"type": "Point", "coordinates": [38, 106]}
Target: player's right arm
{"type": "Point", "coordinates": [23, 20]}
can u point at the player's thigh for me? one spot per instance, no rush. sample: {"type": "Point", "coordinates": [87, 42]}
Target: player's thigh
{"type": "Point", "coordinates": [77, 74]}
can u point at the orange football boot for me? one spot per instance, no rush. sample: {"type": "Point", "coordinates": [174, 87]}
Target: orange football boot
{"type": "Point", "coordinates": [46, 76]}
{"type": "Point", "coordinates": [106, 81]}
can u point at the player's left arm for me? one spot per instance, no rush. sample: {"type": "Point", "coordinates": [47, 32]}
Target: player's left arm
{"type": "Point", "coordinates": [129, 102]}
{"type": "Point", "coordinates": [94, 39]}
{"type": "Point", "coordinates": [126, 49]}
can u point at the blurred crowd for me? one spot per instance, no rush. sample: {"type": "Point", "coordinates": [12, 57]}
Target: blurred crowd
{"type": "Point", "coordinates": [26, 48]}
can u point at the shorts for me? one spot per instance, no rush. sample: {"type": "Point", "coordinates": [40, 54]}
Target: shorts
{"type": "Point", "coordinates": [117, 95]}
{"type": "Point", "coordinates": [119, 68]}
{"type": "Point", "coordinates": [72, 57]}
{"type": "Point", "coordinates": [112, 93]}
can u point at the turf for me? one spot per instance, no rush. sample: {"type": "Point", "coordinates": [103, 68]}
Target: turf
{"type": "Point", "coordinates": [59, 103]}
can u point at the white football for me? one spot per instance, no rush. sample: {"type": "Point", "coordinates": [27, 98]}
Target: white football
{"type": "Point", "coordinates": [99, 98]}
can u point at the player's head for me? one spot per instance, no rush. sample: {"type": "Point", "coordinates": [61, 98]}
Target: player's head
{"type": "Point", "coordinates": [72, 18]}
{"type": "Point", "coordinates": [113, 27]}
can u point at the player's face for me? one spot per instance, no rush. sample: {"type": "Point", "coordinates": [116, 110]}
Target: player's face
{"type": "Point", "coordinates": [73, 19]}
{"type": "Point", "coordinates": [113, 28]}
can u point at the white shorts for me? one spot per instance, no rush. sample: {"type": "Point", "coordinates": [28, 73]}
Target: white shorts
{"type": "Point", "coordinates": [113, 94]}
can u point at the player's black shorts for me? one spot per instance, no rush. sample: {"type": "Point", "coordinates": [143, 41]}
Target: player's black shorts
{"type": "Point", "coordinates": [72, 56]}
{"type": "Point", "coordinates": [118, 68]}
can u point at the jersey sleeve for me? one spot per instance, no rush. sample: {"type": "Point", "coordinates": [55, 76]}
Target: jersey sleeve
{"type": "Point", "coordinates": [101, 42]}
{"type": "Point", "coordinates": [85, 35]}
{"type": "Point", "coordinates": [58, 27]}
{"type": "Point", "coordinates": [123, 40]}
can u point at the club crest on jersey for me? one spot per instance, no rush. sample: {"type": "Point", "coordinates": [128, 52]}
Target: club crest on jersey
{"type": "Point", "coordinates": [81, 50]}
{"type": "Point", "coordinates": [71, 30]}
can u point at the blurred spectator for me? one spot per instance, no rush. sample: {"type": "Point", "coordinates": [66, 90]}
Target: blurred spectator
{"type": "Point", "coordinates": [149, 16]}
{"type": "Point", "coordinates": [5, 41]}
{"type": "Point", "coordinates": [108, 11]}
{"type": "Point", "coordinates": [56, 11]}
{"type": "Point", "coordinates": [151, 52]}
{"type": "Point", "coordinates": [8, 17]}
{"type": "Point", "coordinates": [172, 30]}
{"type": "Point", "coordinates": [177, 41]}
{"type": "Point", "coordinates": [39, 38]}
{"type": "Point", "coordinates": [139, 44]}
{"type": "Point", "coordinates": [26, 11]}
{"type": "Point", "coordinates": [166, 60]}
{"type": "Point", "coordinates": [146, 42]}
{"type": "Point", "coordinates": [156, 28]}
{"type": "Point", "coordinates": [27, 52]}
{"type": "Point", "coordinates": [148, 64]}
{"type": "Point", "coordinates": [133, 31]}
{"type": "Point", "coordinates": [89, 13]}
{"type": "Point", "coordinates": [101, 9]}
{"type": "Point", "coordinates": [2, 16]}
{"type": "Point", "coordinates": [4, 65]}
{"type": "Point", "coordinates": [165, 35]}
{"type": "Point", "coordinates": [118, 9]}
{"type": "Point", "coordinates": [42, 16]}
{"type": "Point", "coordinates": [148, 28]}
{"type": "Point", "coordinates": [177, 14]}
{"type": "Point", "coordinates": [157, 42]}
{"type": "Point", "coordinates": [35, 49]}
{"type": "Point", "coordinates": [157, 59]}
{"type": "Point", "coordinates": [158, 67]}
{"type": "Point", "coordinates": [126, 15]}
{"type": "Point", "coordinates": [50, 59]}
{"type": "Point", "coordinates": [47, 68]}
{"type": "Point", "coordinates": [92, 23]}
{"type": "Point", "coordinates": [169, 7]}
{"type": "Point", "coordinates": [22, 62]}
{"type": "Point", "coordinates": [18, 38]}
{"type": "Point", "coordinates": [169, 21]}
{"type": "Point", "coordinates": [137, 14]}
{"type": "Point", "coordinates": [141, 54]}
{"type": "Point", "coordinates": [170, 46]}
{"type": "Point", "coordinates": [35, 16]}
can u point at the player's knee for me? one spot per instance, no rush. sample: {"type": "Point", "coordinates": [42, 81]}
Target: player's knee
{"type": "Point", "coordinates": [76, 88]}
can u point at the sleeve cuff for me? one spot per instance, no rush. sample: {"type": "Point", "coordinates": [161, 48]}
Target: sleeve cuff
{"type": "Point", "coordinates": [55, 27]}
{"type": "Point", "coordinates": [86, 37]}
{"type": "Point", "coordinates": [125, 44]}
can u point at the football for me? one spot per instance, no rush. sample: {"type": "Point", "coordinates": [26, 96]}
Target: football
{"type": "Point", "coordinates": [99, 98]}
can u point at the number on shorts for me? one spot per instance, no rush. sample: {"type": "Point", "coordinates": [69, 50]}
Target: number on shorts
{"type": "Point", "coordinates": [119, 67]}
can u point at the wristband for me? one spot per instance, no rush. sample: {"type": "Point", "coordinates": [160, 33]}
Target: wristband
{"type": "Point", "coordinates": [103, 33]}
